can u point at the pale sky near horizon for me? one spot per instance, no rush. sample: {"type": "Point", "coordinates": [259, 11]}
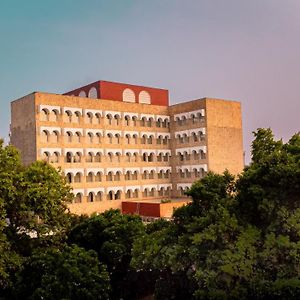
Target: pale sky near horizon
{"type": "Point", "coordinates": [245, 50]}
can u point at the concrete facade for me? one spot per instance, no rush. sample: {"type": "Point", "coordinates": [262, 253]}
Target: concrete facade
{"type": "Point", "coordinates": [131, 146]}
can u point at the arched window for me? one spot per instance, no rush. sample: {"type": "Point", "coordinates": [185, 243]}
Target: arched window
{"type": "Point", "coordinates": [128, 156]}
{"type": "Point", "coordinates": [150, 139]}
{"type": "Point", "coordinates": [117, 136]}
{"type": "Point", "coordinates": [109, 176]}
{"type": "Point", "coordinates": [127, 175]}
{"type": "Point", "coordinates": [151, 174]}
{"type": "Point", "coordinates": [82, 94]}
{"type": "Point", "coordinates": [152, 192]}
{"type": "Point", "coordinates": [110, 157]}
{"type": "Point", "coordinates": [69, 137]}
{"type": "Point", "coordinates": [117, 120]}
{"type": "Point", "coordinates": [160, 174]}
{"type": "Point", "coordinates": [98, 118]}
{"type": "Point", "coordinates": [55, 114]}
{"type": "Point", "coordinates": [90, 138]}
{"type": "Point", "coordinates": [143, 122]}
{"type": "Point", "coordinates": [77, 137]}
{"type": "Point", "coordinates": [109, 119]}
{"type": "Point", "coordinates": [77, 157]}
{"type": "Point", "coordinates": [135, 138]}
{"type": "Point", "coordinates": [98, 138]}
{"type": "Point", "coordinates": [98, 157]}
{"type": "Point", "coordinates": [144, 97]}
{"type": "Point", "coordinates": [117, 176]}
{"type": "Point", "coordinates": [145, 175]}
{"type": "Point", "coordinates": [90, 177]}
{"type": "Point", "coordinates": [134, 120]}
{"type": "Point", "coordinates": [110, 195]}
{"type": "Point", "coordinates": [128, 194]}
{"type": "Point", "coordinates": [89, 117]}
{"type": "Point", "coordinates": [135, 157]}
{"type": "Point", "coordinates": [127, 138]}
{"type": "Point", "coordinates": [45, 136]}
{"type": "Point", "coordinates": [44, 115]}
{"type": "Point", "coordinates": [144, 139]}
{"type": "Point", "coordinates": [77, 117]}
{"type": "Point", "coordinates": [68, 116]}
{"type": "Point", "coordinates": [93, 93]}
{"type": "Point", "coordinates": [55, 136]}
{"type": "Point", "coordinates": [134, 175]}
{"type": "Point", "coordinates": [55, 158]}
{"type": "Point", "coordinates": [77, 177]}
{"type": "Point", "coordinates": [90, 197]}
{"type": "Point", "coordinates": [89, 157]}
{"type": "Point", "coordinates": [99, 196]}
{"type": "Point", "coordinates": [98, 177]}
{"type": "Point", "coordinates": [69, 157]}
{"type": "Point", "coordinates": [118, 195]}
{"type": "Point", "coordinates": [128, 96]}
{"type": "Point", "coordinates": [202, 154]}
{"type": "Point", "coordinates": [118, 157]}
{"type": "Point", "coordinates": [110, 138]}
{"type": "Point", "coordinates": [127, 121]}
{"type": "Point", "coordinates": [69, 177]}
{"type": "Point", "coordinates": [78, 198]}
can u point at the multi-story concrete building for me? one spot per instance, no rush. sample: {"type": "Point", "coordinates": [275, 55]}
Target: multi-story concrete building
{"type": "Point", "coordinates": [119, 142]}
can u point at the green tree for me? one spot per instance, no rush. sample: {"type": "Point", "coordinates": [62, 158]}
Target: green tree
{"type": "Point", "coordinates": [111, 235]}
{"type": "Point", "coordinates": [69, 273]}
{"type": "Point", "coordinates": [238, 239]}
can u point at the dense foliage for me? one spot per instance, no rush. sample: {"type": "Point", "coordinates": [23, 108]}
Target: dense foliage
{"type": "Point", "coordinates": [239, 238]}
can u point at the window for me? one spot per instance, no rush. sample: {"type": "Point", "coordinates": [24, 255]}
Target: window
{"type": "Point", "coordinates": [77, 157]}
{"type": "Point", "coordinates": [109, 176]}
{"type": "Point", "coordinates": [69, 156]}
{"type": "Point", "coordinates": [98, 118]}
{"type": "Point", "coordinates": [144, 97]}
{"type": "Point", "coordinates": [93, 93]}
{"type": "Point", "coordinates": [98, 157]}
{"type": "Point", "coordinates": [89, 117]}
{"type": "Point", "coordinates": [127, 138]}
{"type": "Point", "coordinates": [89, 157]}
{"type": "Point", "coordinates": [82, 94]}
{"type": "Point", "coordinates": [77, 177]}
{"type": "Point", "coordinates": [78, 198]}
{"type": "Point", "coordinates": [55, 114]}
{"type": "Point", "coordinates": [55, 136]}
{"type": "Point", "coordinates": [68, 117]}
{"type": "Point", "coordinates": [45, 136]}
{"type": "Point", "coordinates": [98, 138]}
{"type": "Point", "coordinates": [110, 138]}
{"type": "Point", "coordinates": [90, 138]}
{"type": "Point", "coordinates": [90, 197]}
{"type": "Point", "coordinates": [127, 121]}
{"type": "Point", "coordinates": [55, 157]}
{"type": "Point", "coordinates": [128, 96]}
{"type": "Point", "coordinates": [69, 137]}
{"type": "Point", "coordinates": [90, 177]}
{"type": "Point", "coordinates": [109, 119]}
{"type": "Point", "coordinates": [77, 117]}
{"type": "Point", "coordinates": [44, 115]}
{"type": "Point", "coordinates": [117, 120]}
{"type": "Point", "coordinates": [77, 137]}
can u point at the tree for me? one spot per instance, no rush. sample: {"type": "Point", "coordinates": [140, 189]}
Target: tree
{"type": "Point", "coordinates": [69, 273]}
{"type": "Point", "coordinates": [111, 235]}
{"type": "Point", "coordinates": [237, 239]}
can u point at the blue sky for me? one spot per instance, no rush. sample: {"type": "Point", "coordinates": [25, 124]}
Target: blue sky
{"type": "Point", "coordinates": [234, 49]}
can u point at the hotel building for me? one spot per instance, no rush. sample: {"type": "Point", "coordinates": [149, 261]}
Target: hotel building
{"type": "Point", "coordinates": [120, 143]}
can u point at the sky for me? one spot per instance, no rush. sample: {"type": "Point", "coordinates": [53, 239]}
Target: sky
{"type": "Point", "coordinates": [244, 50]}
